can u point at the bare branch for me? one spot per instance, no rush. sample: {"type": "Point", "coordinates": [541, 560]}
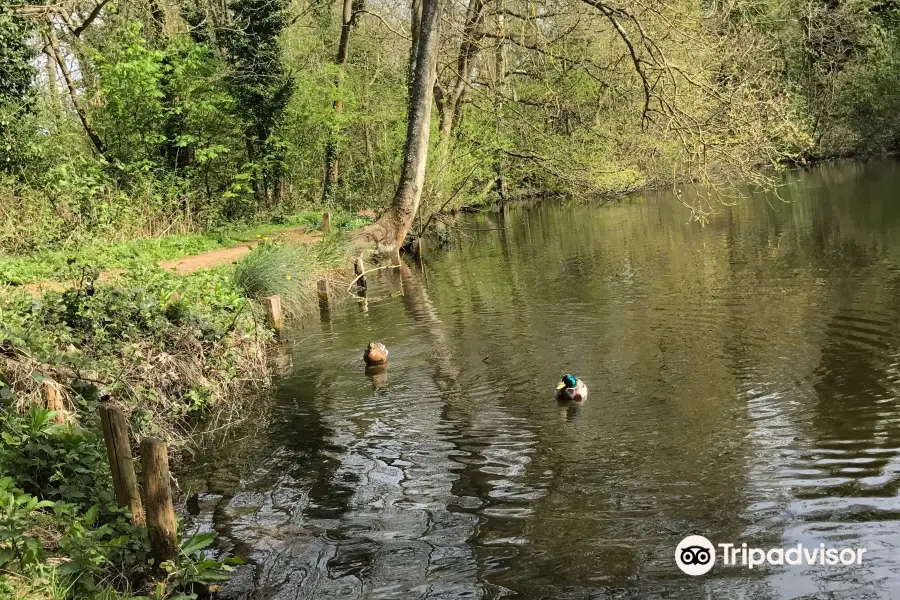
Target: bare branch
{"type": "Point", "coordinates": [609, 13]}
{"type": "Point", "coordinates": [90, 18]}
{"type": "Point", "coordinates": [398, 33]}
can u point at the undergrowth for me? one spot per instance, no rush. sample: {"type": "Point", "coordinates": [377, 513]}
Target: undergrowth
{"type": "Point", "coordinates": [165, 349]}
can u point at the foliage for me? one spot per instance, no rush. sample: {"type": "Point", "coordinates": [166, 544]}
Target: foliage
{"type": "Point", "coordinates": [17, 511]}
{"type": "Point", "coordinates": [82, 548]}
{"type": "Point", "coordinates": [193, 566]}
{"type": "Point", "coordinates": [16, 71]}
{"type": "Point", "coordinates": [836, 59]}
{"type": "Point", "coordinates": [16, 75]}
{"type": "Point", "coordinates": [260, 84]}
{"type": "Point", "coordinates": [84, 525]}
{"type": "Point", "coordinates": [225, 113]}
{"type": "Point", "coordinates": [165, 348]}
{"type": "Point", "coordinates": [52, 461]}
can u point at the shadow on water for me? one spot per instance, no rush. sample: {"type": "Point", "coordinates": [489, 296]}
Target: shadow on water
{"type": "Point", "coordinates": [743, 385]}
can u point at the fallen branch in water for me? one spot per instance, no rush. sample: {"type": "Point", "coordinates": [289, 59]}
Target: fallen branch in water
{"type": "Point", "coordinates": [364, 273]}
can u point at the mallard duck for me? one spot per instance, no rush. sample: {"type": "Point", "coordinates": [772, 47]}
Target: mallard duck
{"type": "Point", "coordinates": [376, 354]}
{"type": "Point", "coordinates": [571, 388]}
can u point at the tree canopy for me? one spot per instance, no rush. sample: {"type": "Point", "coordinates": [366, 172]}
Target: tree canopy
{"type": "Point", "coordinates": [121, 117]}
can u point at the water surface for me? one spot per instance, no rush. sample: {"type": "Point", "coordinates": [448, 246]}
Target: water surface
{"type": "Point", "coordinates": [743, 385]}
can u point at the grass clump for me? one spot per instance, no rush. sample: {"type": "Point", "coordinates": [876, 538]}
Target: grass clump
{"type": "Point", "coordinates": [290, 271]}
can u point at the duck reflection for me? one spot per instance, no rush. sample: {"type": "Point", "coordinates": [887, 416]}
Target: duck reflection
{"type": "Point", "coordinates": [378, 375]}
{"type": "Point", "coordinates": [572, 409]}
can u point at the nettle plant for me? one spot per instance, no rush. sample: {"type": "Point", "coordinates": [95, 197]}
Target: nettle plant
{"type": "Point", "coordinates": [18, 513]}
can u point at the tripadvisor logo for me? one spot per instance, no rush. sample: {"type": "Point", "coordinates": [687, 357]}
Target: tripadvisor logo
{"type": "Point", "coordinates": [696, 555]}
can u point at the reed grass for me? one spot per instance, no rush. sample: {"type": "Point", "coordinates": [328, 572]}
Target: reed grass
{"type": "Point", "coordinates": [291, 271]}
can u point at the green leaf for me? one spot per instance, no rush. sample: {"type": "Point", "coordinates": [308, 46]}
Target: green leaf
{"type": "Point", "coordinates": [90, 516]}
{"type": "Point", "coordinates": [6, 555]}
{"type": "Point", "coordinates": [33, 545]}
{"type": "Point", "coordinates": [198, 542]}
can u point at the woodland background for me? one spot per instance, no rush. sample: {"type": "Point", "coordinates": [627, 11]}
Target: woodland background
{"type": "Point", "coordinates": [124, 118]}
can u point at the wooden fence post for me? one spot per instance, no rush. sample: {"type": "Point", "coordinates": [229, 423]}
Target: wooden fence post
{"type": "Point", "coordinates": [359, 268]}
{"type": "Point", "coordinates": [274, 314]}
{"type": "Point", "coordinates": [121, 463]}
{"type": "Point", "coordinates": [158, 494]}
{"type": "Point", "coordinates": [326, 223]}
{"type": "Point", "coordinates": [53, 400]}
{"type": "Point", "coordinates": [323, 295]}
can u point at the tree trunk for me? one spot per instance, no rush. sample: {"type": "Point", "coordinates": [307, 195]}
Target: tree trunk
{"type": "Point", "coordinates": [468, 47]}
{"type": "Point", "coordinates": [450, 103]}
{"type": "Point", "coordinates": [52, 81]}
{"type": "Point", "coordinates": [73, 91]}
{"type": "Point", "coordinates": [499, 96]}
{"type": "Point", "coordinates": [390, 230]}
{"type": "Point", "coordinates": [415, 23]}
{"type": "Point", "coordinates": [332, 168]}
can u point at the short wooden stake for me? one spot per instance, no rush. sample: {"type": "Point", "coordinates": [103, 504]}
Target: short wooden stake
{"type": "Point", "coordinates": [359, 269]}
{"type": "Point", "coordinates": [323, 294]}
{"type": "Point", "coordinates": [158, 494]}
{"type": "Point", "coordinates": [326, 222]}
{"type": "Point", "coordinates": [53, 400]}
{"type": "Point", "coordinates": [121, 463]}
{"type": "Point", "coordinates": [273, 313]}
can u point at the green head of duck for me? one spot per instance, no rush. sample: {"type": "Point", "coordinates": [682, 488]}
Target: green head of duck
{"type": "Point", "coordinates": [570, 388]}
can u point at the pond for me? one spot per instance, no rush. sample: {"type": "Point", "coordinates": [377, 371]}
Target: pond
{"type": "Point", "coordinates": [744, 385]}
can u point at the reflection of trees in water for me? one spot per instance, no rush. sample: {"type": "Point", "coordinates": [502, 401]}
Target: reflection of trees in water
{"type": "Point", "coordinates": [461, 412]}
{"type": "Point", "coordinates": [811, 352]}
{"type": "Point", "coordinates": [266, 485]}
{"type": "Point", "coordinates": [752, 281]}
{"type": "Point", "coordinates": [708, 353]}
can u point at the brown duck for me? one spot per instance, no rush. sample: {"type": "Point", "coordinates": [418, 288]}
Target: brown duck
{"type": "Point", "coordinates": [376, 354]}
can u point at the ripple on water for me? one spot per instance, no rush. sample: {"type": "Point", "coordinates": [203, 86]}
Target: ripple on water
{"type": "Point", "coordinates": [744, 385]}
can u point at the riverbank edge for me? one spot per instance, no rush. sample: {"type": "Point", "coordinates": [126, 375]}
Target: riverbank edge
{"type": "Point", "coordinates": [175, 331]}
{"type": "Point", "coordinates": [530, 197]}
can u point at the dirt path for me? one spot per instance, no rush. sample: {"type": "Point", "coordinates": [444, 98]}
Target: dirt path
{"type": "Point", "coordinates": [190, 264]}
{"type": "Point", "coordinates": [224, 256]}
